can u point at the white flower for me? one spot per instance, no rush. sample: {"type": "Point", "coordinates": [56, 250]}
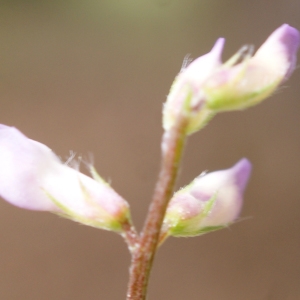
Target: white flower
{"type": "Point", "coordinates": [33, 177]}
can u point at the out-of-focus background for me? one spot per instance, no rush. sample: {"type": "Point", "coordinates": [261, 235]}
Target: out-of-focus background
{"type": "Point", "coordinates": [91, 76]}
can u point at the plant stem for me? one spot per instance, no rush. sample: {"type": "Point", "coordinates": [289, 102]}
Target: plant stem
{"type": "Point", "coordinates": [130, 236]}
{"type": "Point", "coordinates": [143, 254]}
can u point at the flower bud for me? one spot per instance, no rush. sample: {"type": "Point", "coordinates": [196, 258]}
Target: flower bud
{"type": "Point", "coordinates": [186, 91]}
{"type": "Point", "coordinates": [212, 201]}
{"type": "Point", "coordinates": [33, 177]}
{"type": "Point", "coordinates": [239, 86]}
{"type": "Point", "coordinates": [207, 86]}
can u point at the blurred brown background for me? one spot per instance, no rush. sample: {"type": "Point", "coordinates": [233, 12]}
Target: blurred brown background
{"type": "Point", "coordinates": [91, 76]}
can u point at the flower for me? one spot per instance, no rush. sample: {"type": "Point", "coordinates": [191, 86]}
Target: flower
{"type": "Point", "coordinates": [33, 177]}
{"type": "Point", "coordinates": [207, 86]}
{"type": "Point", "coordinates": [212, 201]}
{"type": "Point", "coordinates": [239, 86]}
{"type": "Point", "coordinates": [186, 89]}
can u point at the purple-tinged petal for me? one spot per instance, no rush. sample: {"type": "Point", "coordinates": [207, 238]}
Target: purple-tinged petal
{"type": "Point", "coordinates": [280, 50]}
{"type": "Point", "coordinates": [210, 202]}
{"type": "Point", "coordinates": [188, 85]}
{"type": "Point", "coordinates": [202, 67]}
{"type": "Point", "coordinates": [254, 79]}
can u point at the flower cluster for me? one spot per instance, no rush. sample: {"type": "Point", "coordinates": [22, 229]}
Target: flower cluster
{"type": "Point", "coordinates": [33, 177]}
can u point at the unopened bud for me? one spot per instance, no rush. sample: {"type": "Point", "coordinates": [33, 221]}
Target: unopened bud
{"type": "Point", "coordinates": [238, 86]}
{"type": "Point", "coordinates": [186, 91]}
{"type": "Point", "coordinates": [33, 177]}
{"type": "Point", "coordinates": [210, 202]}
{"type": "Point", "coordinates": [207, 86]}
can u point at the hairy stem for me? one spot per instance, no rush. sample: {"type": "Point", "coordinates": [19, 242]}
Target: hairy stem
{"type": "Point", "coordinates": [143, 254]}
{"type": "Point", "coordinates": [130, 236]}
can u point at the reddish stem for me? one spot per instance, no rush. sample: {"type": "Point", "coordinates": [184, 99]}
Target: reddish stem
{"type": "Point", "coordinates": [130, 236]}
{"type": "Point", "coordinates": [143, 253]}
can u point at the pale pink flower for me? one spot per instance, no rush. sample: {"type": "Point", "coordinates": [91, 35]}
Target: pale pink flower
{"type": "Point", "coordinates": [242, 85]}
{"type": "Point", "coordinates": [207, 86]}
{"type": "Point", "coordinates": [186, 89]}
{"type": "Point", "coordinates": [210, 202]}
{"type": "Point", "coordinates": [33, 177]}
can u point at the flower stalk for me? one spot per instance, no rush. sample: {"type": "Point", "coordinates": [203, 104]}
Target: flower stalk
{"type": "Point", "coordinates": [142, 259]}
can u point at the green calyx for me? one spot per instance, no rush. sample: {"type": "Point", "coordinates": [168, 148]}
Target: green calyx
{"type": "Point", "coordinates": [179, 227]}
{"type": "Point", "coordinates": [101, 219]}
{"type": "Point", "coordinates": [229, 98]}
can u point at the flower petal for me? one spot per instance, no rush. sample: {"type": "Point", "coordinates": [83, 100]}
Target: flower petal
{"type": "Point", "coordinates": [187, 86]}
{"type": "Point", "coordinates": [254, 79]}
{"type": "Point", "coordinates": [32, 177]}
{"type": "Point", "coordinates": [210, 202]}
